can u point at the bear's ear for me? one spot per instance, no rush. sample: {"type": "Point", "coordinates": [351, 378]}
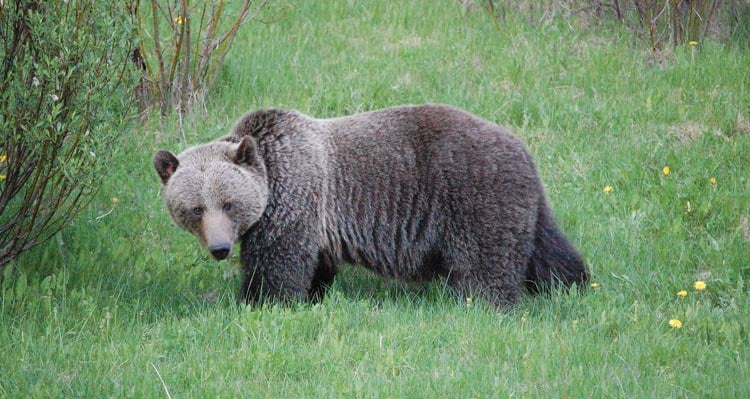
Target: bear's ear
{"type": "Point", "coordinates": [166, 164]}
{"type": "Point", "coordinates": [247, 152]}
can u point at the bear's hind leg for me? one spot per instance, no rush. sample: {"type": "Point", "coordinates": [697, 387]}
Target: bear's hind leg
{"type": "Point", "coordinates": [500, 289]}
{"type": "Point", "coordinates": [493, 272]}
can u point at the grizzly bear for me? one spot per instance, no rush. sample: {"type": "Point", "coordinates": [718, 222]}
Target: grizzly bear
{"type": "Point", "coordinates": [410, 192]}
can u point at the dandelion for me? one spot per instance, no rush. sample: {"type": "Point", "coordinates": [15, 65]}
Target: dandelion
{"type": "Point", "coordinates": [674, 323]}
{"type": "Point", "coordinates": [700, 285]}
{"type": "Point", "coordinates": [666, 170]}
{"type": "Point", "coordinates": [712, 180]}
{"type": "Point", "coordinates": [682, 294]}
{"type": "Point", "coordinates": [595, 285]}
{"type": "Point", "coordinates": [693, 43]}
{"type": "Point", "coordinates": [115, 200]}
{"type": "Point", "coordinates": [608, 189]}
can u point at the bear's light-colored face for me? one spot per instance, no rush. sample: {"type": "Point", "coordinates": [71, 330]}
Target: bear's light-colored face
{"type": "Point", "coordinates": [216, 191]}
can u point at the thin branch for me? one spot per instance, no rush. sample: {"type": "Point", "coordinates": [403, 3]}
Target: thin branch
{"type": "Point", "coordinates": [714, 7]}
{"type": "Point", "coordinates": [230, 36]}
{"type": "Point", "coordinates": [161, 81]}
{"type": "Point", "coordinates": [185, 78]}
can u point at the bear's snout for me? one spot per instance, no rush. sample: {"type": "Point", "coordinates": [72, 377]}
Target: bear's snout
{"type": "Point", "coordinates": [220, 251]}
{"type": "Point", "coordinates": [217, 233]}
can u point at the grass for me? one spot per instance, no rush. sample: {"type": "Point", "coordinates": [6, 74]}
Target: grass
{"type": "Point", "coordinates": [122, 304]}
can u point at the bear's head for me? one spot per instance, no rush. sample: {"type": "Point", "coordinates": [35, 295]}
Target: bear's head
{"type": "Point", "coordinates": [216, 191]}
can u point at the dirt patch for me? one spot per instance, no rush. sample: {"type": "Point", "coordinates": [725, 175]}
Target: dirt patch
{"type": "Point", "coordinates": [745, 228]}
{"type": "Point", "coordinates": [687, 133]}
{"type": "Point", "coordinates": [741, 125]}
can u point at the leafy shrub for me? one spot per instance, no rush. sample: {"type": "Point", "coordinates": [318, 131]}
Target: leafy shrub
{"type": "Point", "coordinates": [66, 82]}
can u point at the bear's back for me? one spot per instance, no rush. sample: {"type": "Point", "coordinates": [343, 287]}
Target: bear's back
{"type": "Point", "coordinates": [411, 136]}
{"type": "Point", "coordinates": [403, 179]}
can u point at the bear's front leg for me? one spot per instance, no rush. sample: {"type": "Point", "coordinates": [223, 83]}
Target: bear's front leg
{"type": "Point", "coordinates": [283, 271]}
{"type": "Point", "coordinates": [277, 281]}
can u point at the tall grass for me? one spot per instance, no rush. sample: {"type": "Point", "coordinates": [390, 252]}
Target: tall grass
{"type": "Point", "coordinates": [124, 304]}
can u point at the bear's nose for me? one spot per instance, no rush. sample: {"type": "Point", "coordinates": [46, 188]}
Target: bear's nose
{"type": "Point", "coordinates": [220, 251]}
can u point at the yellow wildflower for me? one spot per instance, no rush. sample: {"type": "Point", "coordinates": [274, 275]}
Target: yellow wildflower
{"type": "Point", "coordinates": [3, 158]}
{"type": "Point", "coordinates": [674, 323]}
{"type": "Point", "coordinates": [608, 189]}
{"type": "Point", "coordinates": [178, 20]}
{"type": "Point", "coordinates": [665, 170]}
{"type": "Point", "coordinates": [700, 285]}
{"type": "Point", "coordinates": [682, 294]}
{"type": "Point", "coordinates": [594, 285]}
{"type": "Point", "coordinates": [115, 200]}
{"type": "Point", "coordinates": [712, 180]}
{"type": "Point", "coordinates": [693, 43]}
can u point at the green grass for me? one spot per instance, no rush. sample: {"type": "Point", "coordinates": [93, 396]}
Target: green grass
{"type": "Point", "coordinates": [122, 304]}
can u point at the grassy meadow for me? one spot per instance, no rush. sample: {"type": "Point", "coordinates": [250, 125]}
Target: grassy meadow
{"type": "Point", "coordinates": [122, 304]}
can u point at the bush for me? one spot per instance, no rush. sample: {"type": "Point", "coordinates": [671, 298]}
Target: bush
{"type": "Point", "coordinates": [183, 46]}
{"type": "Point", "coordinates": [66, 84]}
{"type": "Point", "coordinates": [659, 22]}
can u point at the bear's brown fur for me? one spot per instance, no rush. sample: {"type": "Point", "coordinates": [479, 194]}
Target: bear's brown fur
{"type": "Point", "coordinates": [410, 192]}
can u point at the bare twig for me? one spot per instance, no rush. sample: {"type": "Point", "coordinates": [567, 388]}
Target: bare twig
{"type": "Point", "coordinates": [185, 78]}
{"type": "Point", "coordinates": [161, 81]}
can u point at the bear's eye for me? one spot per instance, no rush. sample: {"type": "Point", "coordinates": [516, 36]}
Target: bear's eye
{"type": "Point", "coordinates": [198, 211]}
{"type": "Point", "coordinates": [227, 206]}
